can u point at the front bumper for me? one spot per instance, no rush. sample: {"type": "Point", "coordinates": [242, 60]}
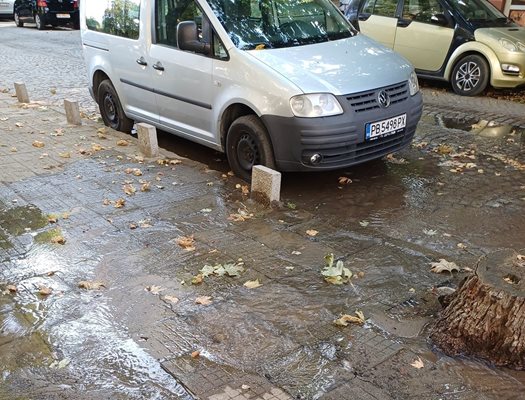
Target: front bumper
{"type": "Point", "coordinates": [500, 79]}
{"type": "Point", "coordinates": [340, 140]}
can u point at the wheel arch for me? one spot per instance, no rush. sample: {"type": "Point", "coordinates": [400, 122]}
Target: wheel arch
{"type": "Point", "coordinates": [472, 48]}
{"type": "Point", "coordinates": [230, 114]}
{"type": "Point", "coordinates": [98, 77]}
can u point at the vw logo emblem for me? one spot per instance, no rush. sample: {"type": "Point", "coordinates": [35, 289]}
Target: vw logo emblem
{"type": "Point", "coordinates": [383, 99]}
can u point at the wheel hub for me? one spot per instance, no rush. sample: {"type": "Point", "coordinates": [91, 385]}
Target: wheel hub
{"type": "Point", "coordinates": [468, 76]}
{"type": "Point", "coordinates": [109, 106]}
{"type": "Point", "coordinates": [247, 152]}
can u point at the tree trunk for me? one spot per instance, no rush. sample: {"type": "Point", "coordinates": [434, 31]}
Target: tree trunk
{"type": "Point", "coordinates": [486, 316]}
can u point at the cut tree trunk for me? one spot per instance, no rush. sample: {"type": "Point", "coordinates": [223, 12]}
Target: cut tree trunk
{"type": "Point", "coordinates": [485, 317]}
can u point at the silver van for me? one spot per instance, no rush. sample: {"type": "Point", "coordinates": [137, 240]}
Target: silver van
{"type": "Point", "coordinates": [289, 84]}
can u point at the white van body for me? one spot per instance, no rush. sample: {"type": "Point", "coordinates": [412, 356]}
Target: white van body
{"type": "Point", "coordinates": [303, 101]}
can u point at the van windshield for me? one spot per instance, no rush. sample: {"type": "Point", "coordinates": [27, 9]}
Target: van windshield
{"type": "Point", "coordinates": [479, 12]}
{"type": "Point", "coordinates": [261, 24]}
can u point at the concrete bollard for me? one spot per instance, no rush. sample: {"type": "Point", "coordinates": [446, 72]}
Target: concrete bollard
{"type": "Point", "coordinates": [21, 92]}
{"type": "Point", "coordinates": [266, 184]}
{"type": "Point", "coordinates": [72, 112]}
{"type": "Point", "coordinates": [147, 135]}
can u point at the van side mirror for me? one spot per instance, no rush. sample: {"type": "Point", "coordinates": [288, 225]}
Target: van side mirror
{"type": "Point", "coordinates": [439, 19]}
{"type": "Point", "coordinates": [188, 39]}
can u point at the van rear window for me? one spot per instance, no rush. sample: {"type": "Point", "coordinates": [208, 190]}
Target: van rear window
{"type": "Point", "coordinates": [115, 17]}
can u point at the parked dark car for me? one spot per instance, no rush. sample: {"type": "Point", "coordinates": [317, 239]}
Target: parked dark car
{"type": "Point", "coordinates": [47, 12]}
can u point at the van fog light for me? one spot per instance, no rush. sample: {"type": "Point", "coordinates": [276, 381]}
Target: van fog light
{"type": "Point", "coordinates": [315, 159]}
{"type": "Point", "coordinates": [510, 68]}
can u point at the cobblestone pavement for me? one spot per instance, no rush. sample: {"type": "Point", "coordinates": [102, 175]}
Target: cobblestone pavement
{"type": "Point", "coordinates": [458, 194]}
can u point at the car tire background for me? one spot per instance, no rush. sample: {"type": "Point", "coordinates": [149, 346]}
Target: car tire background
{"type": "Point", "coordinates": [470, 75]}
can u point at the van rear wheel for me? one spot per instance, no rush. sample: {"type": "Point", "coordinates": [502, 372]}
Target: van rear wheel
{"type": "Point", "coordinates": [18, 21]}
{"type": "Point", "coordinates": [248, 144]}
{"type": "Point", "coordinates": [470, 76]}
{"type": "Point", "coordinates": [110, 108]}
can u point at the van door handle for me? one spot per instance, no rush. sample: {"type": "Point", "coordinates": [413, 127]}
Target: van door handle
{"type": "Point", "coordinates": [158, 66]}
{"type": "Point", "coordinates": [141, 61]}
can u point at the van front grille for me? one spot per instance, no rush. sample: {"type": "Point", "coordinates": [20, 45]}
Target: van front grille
{"type": "Point", "coordinates": [366, 101]}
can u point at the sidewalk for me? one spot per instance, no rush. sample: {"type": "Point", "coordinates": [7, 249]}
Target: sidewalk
{"type": "Point", "coordinates": [147, 332]}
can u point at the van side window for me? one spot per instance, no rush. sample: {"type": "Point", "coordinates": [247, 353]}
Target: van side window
{"type": "Point", "coordinates": [115, 17]}
{"type": "Point", "coordinates": [169, 13]}
{"type": "Point", "coordinates": [385, 8]}
{"type": "Point", "coordinates": [421, 10]}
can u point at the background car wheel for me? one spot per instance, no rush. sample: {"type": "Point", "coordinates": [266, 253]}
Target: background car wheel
{"type": "Point", "coordinates": [470, 75]}
{"type": "Point", "coordinates": [248, 144]}
{"type": "Point", "coordinates": [39, 23]}
{"type": "Point", "coordinates": [18, 22]}
{"type": "Point", "coordinates": [110, 108]}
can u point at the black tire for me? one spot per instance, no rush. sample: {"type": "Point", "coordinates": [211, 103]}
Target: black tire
{"type": "Point", "coordinates": [248, 144]}
{"type": "Point", "coordinates": [110, 108]}
{"type": "Point", "coordinates": [470, 75]}
{"type": "Point", "coordinates": [39, 23]}
{"type": "Point", "coordinates": [18, 21]}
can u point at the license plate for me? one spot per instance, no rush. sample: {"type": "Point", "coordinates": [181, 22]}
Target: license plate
{"type": "Point", "coordinates": [63, 16]}
{"type": "Point", "coordinates": [386, 127]}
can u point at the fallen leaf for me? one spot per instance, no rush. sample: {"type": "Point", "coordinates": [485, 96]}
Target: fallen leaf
{"type": "Point", "coordinates": [129, 189]}
{"type": "Point", "coordinates": [38, 144]}
{"type": "Point", "coordinates": [345, 319]}
{"type": "Point", "coordinates": [59, 239]}
{"type": "Point", "coordinates": [393, 160]}
{"type": "Point", "coordinates": [195, 354]}
{"type": "Point", "coordinates": [91, 285]}
{"type": "Point", "coordinates": [197, 279]}
{"type": "Point", "coordinates": [52, 219]}
{"type": "Point", "coordinates": [171, 299]}
{"type": "Point", "coordinates": [45, 291]}
{"type": "Point", "coordinates": [252, 284]}
{"type": "Point", "coordinates": [364, 223]}
{"type": "Point", "coordinates": [311, 232]}
{"type": "Point", "coordinates": [418, 363]}
{"type": "Point", "coordinates": [291, 206]}
{"type": "Point", "coordinates": [145, 187]}
{"type": "Point", "coordinates": [19, 125]}
{"type": "Point", "coordinates": [461, 246]}
{"type": "Point", "coordinates": [122, 142]}
{"type": "Point", "coordinates": [336, 275]}
{"type": "Point", "coordinates": [443, 265]}
{"type": "Point", "coordinates": [120, 203]}
{"type": "Point", "coordinates": [11, 288]}
{"type": "Point", "coordinates": [203, 300]}
{"type": "Point", "coordinates": [429, 232]}
{"type": "Point", "coordinates": [65, 155]}
{"type": "Point", "coordinates": [154, 289]}
{"type": "Point", "coordinates": [186, 242]}
{"type": "Point", "coordinates": [343, 180]}
{"type": "Point", "coordinates": [296, 253]}
{"type": "Point", "coordinates": [106, 202]}
{"type": "Point", "coordinates": [96, 147]}
{"type": "Point", "coordinates": [444, 149]}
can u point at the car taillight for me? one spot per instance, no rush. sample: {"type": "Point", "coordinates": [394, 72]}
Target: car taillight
{"type": "Point", "coordinates": [41, 3]}
{"type": "Point", "coordinates": [75, 3]}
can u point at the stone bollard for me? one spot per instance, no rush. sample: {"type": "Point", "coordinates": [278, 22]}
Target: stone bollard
{"type": "Point", "coordinates": [21, 92]}
{"type": "Point", "coordinates": [72, 112]}
{"type": "Point", "coordinates": [266, 184]}
{"type": "Point", "coordinates": [147, 135]}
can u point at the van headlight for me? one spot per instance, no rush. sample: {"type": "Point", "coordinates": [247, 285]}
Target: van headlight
{"type": "Point", "coordinates": [315, 105]}
{"type": "Point", "coordinates": [413, 84]}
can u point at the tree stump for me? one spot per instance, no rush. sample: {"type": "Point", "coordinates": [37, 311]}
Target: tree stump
{"type": "Point", "coordinates": [485, 317]}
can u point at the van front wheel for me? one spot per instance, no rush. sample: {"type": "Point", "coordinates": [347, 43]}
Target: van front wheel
{"type": "Point", "coordinates": [110, 108]}
{"type": "Point", "coordinates": [248, 144]}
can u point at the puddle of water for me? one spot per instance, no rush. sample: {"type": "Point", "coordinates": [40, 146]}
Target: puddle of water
{"type": "Point", "coordinates": [483, 128]}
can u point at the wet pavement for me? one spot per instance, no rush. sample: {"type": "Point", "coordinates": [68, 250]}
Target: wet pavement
{"type": "Point", "coordinates": [97, 299]}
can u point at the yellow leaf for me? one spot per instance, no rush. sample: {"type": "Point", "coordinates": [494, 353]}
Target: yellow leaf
{"type": "Point", "coordinates": [418, 363]}
{"type": "Point", "coordinates": [145, 187]}
{"type": "Point", "coordinates": [186, 242]}
{"type": "Point", "coordinates": [252, 284]}
{"type": "Point", "coordinates": [45, 291]}
{"type": "Point", "coordinates": [197, 280]}
{"type": "Point", "coordinates": [343, 180]}
{"type": "Point", "coordinates": [122, 142]}
{"type": "Point", "coordinates": [129, 189]}
{"type": "Point", "coordinates": [65, 155]}
{"type": "Point", "coordinates": [58, 239]}
{"type": "Point", "coordinates": [203, 300]}
{"type": "Point", "coordinates": [171, 299]}
{"type": "Point", "coordinates": [90, 285]}
{"type": "Point", "coordinates": [260, 46]}
{"type": "Point", "coordinates": [345, 319]}
{"type": "Point", "coordinates": [120, 203]}
{"type": "Point", "coordinates": [311, 232]}
{"type": "Point", "coordinates": [39, 144]}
